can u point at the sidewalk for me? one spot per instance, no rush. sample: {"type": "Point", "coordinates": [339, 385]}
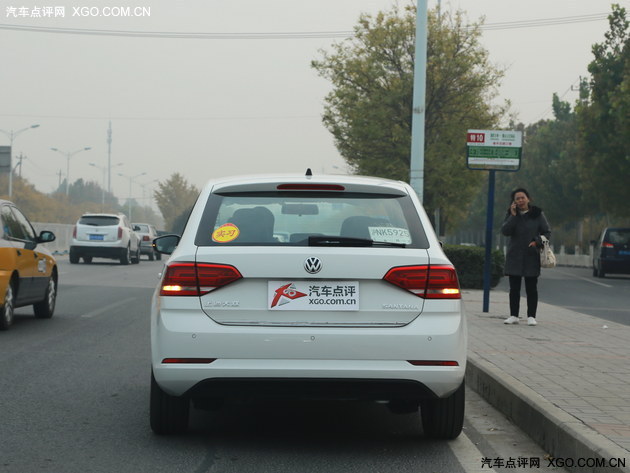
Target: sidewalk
{"type": "Point", "coordinates": [565, 382]}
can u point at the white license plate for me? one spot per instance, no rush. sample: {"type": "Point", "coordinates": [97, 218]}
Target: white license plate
{"type": "Point", "coordinates": [313, 295]}
{"type": "Point", "coordinates": [96, 237]}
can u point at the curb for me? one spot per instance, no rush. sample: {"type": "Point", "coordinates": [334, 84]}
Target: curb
{"type": "Point", "coordinates": [557, 432]}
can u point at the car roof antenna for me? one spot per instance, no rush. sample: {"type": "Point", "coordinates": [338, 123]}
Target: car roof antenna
{"type": "Point", "coordinates": [309, 172]}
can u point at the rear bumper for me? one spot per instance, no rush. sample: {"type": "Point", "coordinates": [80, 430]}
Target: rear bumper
{"type": "Point", "coordinates": [615, 265]}
{"type": "Point", "coordinates": [97, 251]}
{"type": "Point", "coordinates": [308, 362]}
{"type": "Point", "coordinates": [146, 248]}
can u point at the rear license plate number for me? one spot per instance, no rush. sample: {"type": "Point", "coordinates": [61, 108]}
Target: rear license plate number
{"type": "Point", "coordinates": [313, 295]}
{"type": "Point", "coordinates": [96, 237]}
{"type": "Point", "coordinates": [624, 252]}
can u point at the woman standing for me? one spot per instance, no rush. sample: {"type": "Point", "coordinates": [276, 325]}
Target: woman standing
{"type": "Point", "coordinates": [523, 224]}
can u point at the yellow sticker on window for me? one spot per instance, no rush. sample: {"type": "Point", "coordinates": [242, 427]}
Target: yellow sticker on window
{"type": "Point", "coordinates": [226, 233]}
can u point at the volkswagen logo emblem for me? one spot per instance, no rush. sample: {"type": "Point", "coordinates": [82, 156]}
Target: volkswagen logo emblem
{"type": "Point", "coordinates": [313, 265]}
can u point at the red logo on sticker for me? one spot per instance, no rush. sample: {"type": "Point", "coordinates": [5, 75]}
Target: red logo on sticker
{"type": "Point", "coordinates": [286, 294]}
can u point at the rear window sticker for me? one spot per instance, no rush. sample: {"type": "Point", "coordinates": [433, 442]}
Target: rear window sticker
{"type": "Point", "coordinates": [390, 235]}
{"type": "Point", "coordinates": [225, 233]}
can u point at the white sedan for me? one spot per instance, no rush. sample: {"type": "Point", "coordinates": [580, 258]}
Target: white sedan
{"type": "Point", "coordinates": [305, 287]}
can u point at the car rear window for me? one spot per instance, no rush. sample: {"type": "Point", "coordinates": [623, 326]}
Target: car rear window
{"type": "Point", "coordinates": [290, 218]}
{"type": "Point", "coordinates": [619, 236]}
{"type": "Point", "coordinates": [143, 228]}
{"type": "Point", "coordinates": [99, 220]}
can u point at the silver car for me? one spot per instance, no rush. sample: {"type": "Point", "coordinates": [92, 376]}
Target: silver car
{"type": "Point", "coordinates": [147, 233]}
{"type": "Point", "coordinates": [331, 287]}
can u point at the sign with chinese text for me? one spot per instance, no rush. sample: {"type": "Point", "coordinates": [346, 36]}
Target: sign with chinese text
{"type": "Point", "coordinates": [494, 150]}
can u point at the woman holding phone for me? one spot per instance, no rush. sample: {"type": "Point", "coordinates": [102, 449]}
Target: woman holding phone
{"type": "Point", "coordinates": [523, 224]}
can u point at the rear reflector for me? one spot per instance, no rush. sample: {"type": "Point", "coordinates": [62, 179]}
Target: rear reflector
{"type": "Point", "coordinates": [198, 361]}
{"type": "Point", "coordinates": [196, 279]}
{"type": "Point", "coordinates": [310, 187]}
{"type": "Point", "coordinates": [432, 363]}
{"type": "Point", "coordinates": [426, 281]}
{"type": "Point", "coordinates": [146, 238]}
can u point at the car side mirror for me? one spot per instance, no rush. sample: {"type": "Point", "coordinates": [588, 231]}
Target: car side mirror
{"type": "Point", "coordinates": [166, 244]}
{"type": "Point", "coordinates": [46, 237]}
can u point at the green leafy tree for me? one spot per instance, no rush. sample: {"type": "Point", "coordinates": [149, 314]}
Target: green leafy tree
{"type": "Point", "coordinates": [604, 120]}
{"type": "Point", "coordinates": [369, 111]}
{"type": "Point", "coordinates": [174, 197]}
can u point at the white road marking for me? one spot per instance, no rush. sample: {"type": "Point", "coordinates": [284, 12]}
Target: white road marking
{"type": "Point", "coordinates": [583, 279]}
{"type": "Point", "coordinates": [107, 308]}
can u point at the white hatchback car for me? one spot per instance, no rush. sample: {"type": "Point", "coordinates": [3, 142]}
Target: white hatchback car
{"type": "Point", "coordinates": [331, 287]}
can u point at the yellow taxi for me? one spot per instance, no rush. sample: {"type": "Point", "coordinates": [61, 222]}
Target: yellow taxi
{"type": "Point", "coordinates": [28, 271]}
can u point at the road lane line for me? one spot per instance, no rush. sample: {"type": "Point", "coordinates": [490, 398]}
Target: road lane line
{"type": "Point", "coordinates": [583, 279]}
{"type": "Point", "coordinates": [107, 308]}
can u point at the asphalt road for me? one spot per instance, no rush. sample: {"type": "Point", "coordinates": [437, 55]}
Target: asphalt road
{"type": "Point", "coordinates": [576, 289]}
{"type": "Point", "coordinates": [74, 397]}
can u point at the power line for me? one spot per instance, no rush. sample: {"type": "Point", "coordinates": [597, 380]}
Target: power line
{"type": "Point", "coordinates": [541, 22]}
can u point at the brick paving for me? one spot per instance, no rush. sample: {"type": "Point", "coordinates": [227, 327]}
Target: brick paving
{"type": "Point", "coordinates": [578, 363]}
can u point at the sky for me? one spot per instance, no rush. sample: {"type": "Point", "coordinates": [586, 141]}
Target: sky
{"type": "Point", "coordinates": [209, 93]}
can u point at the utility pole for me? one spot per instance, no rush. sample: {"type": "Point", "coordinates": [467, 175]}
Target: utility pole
{"type": "Point", "coordinates": [416, 177]}
{"type": "Point", "coordinates": [21, 157]}
{"type": "Point", "coordinates": [109, 158]}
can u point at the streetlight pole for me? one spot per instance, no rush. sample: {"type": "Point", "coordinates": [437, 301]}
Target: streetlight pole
{"type": "Point", "coordinates": [12, 135]}
{"type": "Point", "coordinates": [131, 178]}
{"type": "Point", "coordinates": [68, 155]}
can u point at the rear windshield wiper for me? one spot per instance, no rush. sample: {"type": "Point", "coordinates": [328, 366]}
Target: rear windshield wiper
{"type": "Point", "coordinates": [322, 240]}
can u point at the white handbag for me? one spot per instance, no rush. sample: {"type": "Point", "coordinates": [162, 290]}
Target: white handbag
{"type": "Point", "coordinates": [547, 258]}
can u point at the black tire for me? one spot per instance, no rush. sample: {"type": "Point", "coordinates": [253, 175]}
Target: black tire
{"type": "Point", "coordinates": [46, 308]}
{"type": "Point", "coordinates": [168, 414]}
{"type": "Point", "coordinates": [599, 272]}
{"type": "Point", "coordinates": [125, 256]}
{"type": "Point", "coordinates": [87, 259]}
{"type": "Point", "coordinates": [444, 418]}
{"type": "Point", "coordinates": [158, 256]}
{"type": "Point", "coordinates": [136, 258]}
{"type": "Point", "coordinates": [7, 308]}
{"type": "Point", "coordinates": [74, 257]}
{"type": "Point", "coordinates": [151, 256]}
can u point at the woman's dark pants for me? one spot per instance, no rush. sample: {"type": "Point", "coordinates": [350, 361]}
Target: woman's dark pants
{"type": "Point", "coordinates": [531, 289]}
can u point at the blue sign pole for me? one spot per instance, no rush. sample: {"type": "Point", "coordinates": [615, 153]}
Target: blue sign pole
{"type": "Point", "coordinates": [487, 267]}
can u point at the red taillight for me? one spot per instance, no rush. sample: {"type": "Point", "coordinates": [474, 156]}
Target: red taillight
{"type": "Point", "coordinates": [119, 233]}
{"type": "Point", "coordinates": [607, 245]}
{"type": "Point", "coordinates": [195, 361]}
{"type": "Point", "coordinates": [74, 232]}
{"type": "Point", "coordinates": [433, 363]}
{"type": "Point", "coordinates": [146, 238]}
{"type": "Point", "coordinates": [190, 279]}
{"type": "Point", "coordinates": [426, 281]}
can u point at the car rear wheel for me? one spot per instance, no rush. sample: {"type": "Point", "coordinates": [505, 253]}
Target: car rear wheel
{"type": "Point", "coordinates": [151, 256]}
{"type": "Point", "coordinates": [46, 308]}
{"type": "Point", "coordinates": [125, 256]}
{"type": "Point", "coordinates": [168, 414]}
{"type": "Point", "coordinates": [599, 271]}
{"type": "Point", "coordinates": [6, 311]}
{"type": "Point", "coordinates": [444, 418]}
{"type": "Point", "coordinates": [87, 259]}
{"type": "Point", "coordinates": [74, 257]}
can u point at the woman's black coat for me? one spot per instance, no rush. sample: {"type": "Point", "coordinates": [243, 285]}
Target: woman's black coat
{"type": "Point", "coordinates": [523, 228]}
